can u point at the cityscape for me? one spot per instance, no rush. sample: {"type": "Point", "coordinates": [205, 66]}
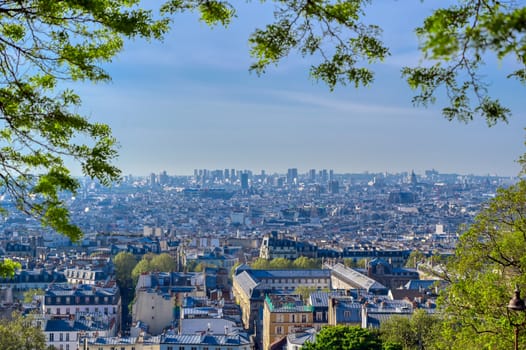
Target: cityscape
{"type": "Point", "coordinates": [358, 231]}
{"type": "Point", "coordinates": [262, 175]}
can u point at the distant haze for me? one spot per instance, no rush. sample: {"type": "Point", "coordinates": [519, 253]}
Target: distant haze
{"type": "Point", "coordinates": [190, 102]}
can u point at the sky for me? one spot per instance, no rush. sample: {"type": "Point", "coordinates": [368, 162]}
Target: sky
{"type": "Point", "coordinates": [190, 102]}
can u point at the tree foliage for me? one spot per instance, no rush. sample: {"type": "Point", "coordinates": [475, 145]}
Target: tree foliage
{"type": "Point", "coordinates": [43, 43]}
{"type": "Point", "coordinates": [152, 263]}
{"type": "Point", "coordinates": [21, 333]}
{"type": "Point", "coordinates": [348, 338]}
{"type": "Point", "coordinates": [414, 333]}
{"type": "Point", "coordinates": [301, 263]}
{"type": "Point", "coordinates": [163, 262]}
{"type": "Point", "coordinates": [458, 39]}
{"type": "Point", "coordinates": [124, 264]}
{"type": "Point", "coordinates": [31, 294]}
{"type": "Point", "coordinates": [415, 257]}
{"type": "Point", "coordinates": [304, 263]}
{"type": "Point", "coordinates": [8, 268]}
{"type": "Point", "coordinates": [488, 262]}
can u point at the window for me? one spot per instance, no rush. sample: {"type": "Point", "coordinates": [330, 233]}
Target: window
{"type": "Point", "coordinates": [58, 300]}
{"type": "Point", "coordinates": [67, 336]}
{"type": "Point", "coordinates": [193, 348]}
{"type": "Point", "coordinates": [67, 311]}
{"type": "Point", "coordinates": [181, 348]}
{"type": "Point", "coordinates": [170, 348]}
{"type": "Point", "coordinates": [303, 318]}
{"type": "Point", "coordinates": [347, 314]}
{"type": "Point", "coordinates": [58, 311]}
{"type": "Point", "coordinates": [292, 318]}
{"type": "Point", "coordinates": [51, 336]}
{"type": "Point", "coordinates": [279, 318]}
{"type": "Point", "coordinates": [67, 346]}
{"type": "Point", "coordinates": [319, 316]}
{"type": "Point", "coordinates": [68, 300]}
{"type": "Point", "coordinates": [61, 336]}
{"type": "Point", "coordinates": [279, 330]}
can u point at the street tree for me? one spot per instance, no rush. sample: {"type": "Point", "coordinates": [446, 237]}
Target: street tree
{"type": "Point", "coordinates": [280, 264]}
{"type": "Point", "coordinates": [305, 263]}
{"type": "Point", "coordinates": [488, 263]}
{"type": "Point", "coordinates": [348, 338]}
{"type": "Point", "coordinates": [413, 333]}
{"type": "Point", "coordinates": [260, 264]}
{"type": "Point", "coordinates": [21, 332]}
{"type": "Point", "coordinates": [153, 263]}
{"type": "Point", "coordinates": [163, 262]}
{"type": "Point", "coordinates": [143, 266]}
{"type": "Point", "coordinates": [124, 264]}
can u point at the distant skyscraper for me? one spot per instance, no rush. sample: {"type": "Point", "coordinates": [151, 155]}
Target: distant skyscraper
{"type": "Point", "coordinates": [292, 175]}
{"type": "Point", "coordinates": [412, 178]}
{"type": "Point", "coordinates": [163, 178]}
{"type": "Point", "coordinates": [324, 177]}
{"type": "Point", "coordinates": [312, 175]}
{"type": "Point", "coordinates": [244, 181]}
{"type": "Point", "coordinates": [334, 186]}
{"type": "Point", "coordinates": [331, 175]}
{"type": "Point", "coordinates": [227, 174]}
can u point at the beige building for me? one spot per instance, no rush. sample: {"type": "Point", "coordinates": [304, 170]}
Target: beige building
{"type": "Point", "coordinates": [251, 286]}
{"type": "Point", "coordinates": [284, 315]}
{"type": "Point", "coordinates": [154, 308]}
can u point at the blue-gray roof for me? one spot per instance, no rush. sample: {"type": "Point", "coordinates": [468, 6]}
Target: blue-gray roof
{"type": "Point", "coordinates": [315, 273]}
{"type": "Point", "coordinates": [192, 339]}
{"type": "Point", "coordinates": [356, 279]}
{"type": "Point", "coordinates": [321, 299]}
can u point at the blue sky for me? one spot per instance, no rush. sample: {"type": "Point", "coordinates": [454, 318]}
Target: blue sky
{"type": "Point", "coordinates": [190, 102]}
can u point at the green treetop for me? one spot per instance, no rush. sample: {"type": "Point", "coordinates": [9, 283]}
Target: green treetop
{"type": "Point", "coordinates": [489, 262]}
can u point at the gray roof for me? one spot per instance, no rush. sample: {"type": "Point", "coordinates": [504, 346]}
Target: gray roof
{"type": "Point", "coordinates": [218, 326]}
{"type": "Point", "coordinates": [314, 273]}
{"type": "Point", "coordinates": [321, 299]}
{"type": "Point", "coordinates": [246, 282]}
{"type": "Point", "coordinates": [191, 339]}
{"type": "Point", "coordinates": [301, 338]}
{"type": "Point", "coordinates": [356, 278]}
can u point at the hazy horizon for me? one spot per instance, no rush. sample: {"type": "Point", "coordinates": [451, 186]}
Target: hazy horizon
{"type": "Point", "coordinates": [190, 102]}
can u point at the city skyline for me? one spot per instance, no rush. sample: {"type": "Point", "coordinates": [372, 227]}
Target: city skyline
{"type": "Point", "coordinates": [190, 102]}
